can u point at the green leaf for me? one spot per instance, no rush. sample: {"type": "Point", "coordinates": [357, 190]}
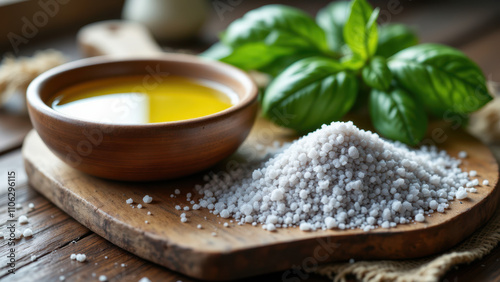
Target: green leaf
{"type": "Point", "coordinates": [360, 30]}
{"type": "Point", "coordinates": [279, 29]}
{"type": "Point", "coordinates": [443, 78]}
{"type": "Point", "coordinates": [332, 19]}
{"type": "Point", "coordinates": [281, 63]}
{"type": "Point", "coordinates": [397, 116]}
{"type": "Point", "coordinates": [376, 74]}
{"type": "Point", "coordinates": [393, 38]}
{"type": "Point", "coordinates": [309, 93]}
{"type": "Point", "coordinates": [248, 57]}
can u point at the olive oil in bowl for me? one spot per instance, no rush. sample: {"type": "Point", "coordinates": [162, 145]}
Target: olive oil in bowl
{"type": "Point", "coordinates": [142, 99]}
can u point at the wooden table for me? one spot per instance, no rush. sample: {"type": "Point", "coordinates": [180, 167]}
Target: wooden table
{"type": "Point", "coordinates": [473, 28]}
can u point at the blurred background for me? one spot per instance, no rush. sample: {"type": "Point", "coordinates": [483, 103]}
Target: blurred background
{"type": "Point", "coordinates": [472, 26]}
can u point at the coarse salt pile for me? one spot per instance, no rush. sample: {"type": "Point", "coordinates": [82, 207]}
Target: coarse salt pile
{"type": "Point", "coordinates": [338, 177]}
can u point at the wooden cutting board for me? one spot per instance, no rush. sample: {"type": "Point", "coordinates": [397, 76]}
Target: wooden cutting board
{"type": "Point", "coordinates": [242, 251]}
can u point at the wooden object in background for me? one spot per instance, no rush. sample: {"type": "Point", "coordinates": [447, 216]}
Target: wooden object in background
{"type": "Point", "coordinates": [240, 251]}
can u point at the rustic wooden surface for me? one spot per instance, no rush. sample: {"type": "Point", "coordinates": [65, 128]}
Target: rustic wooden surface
{"type": "Point", "coordinates": [472, 27]}
{"type": "Point", "coordinates": [246, 250]}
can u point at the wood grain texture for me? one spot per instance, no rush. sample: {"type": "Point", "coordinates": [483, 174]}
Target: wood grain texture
{"type": "Point", "coordinates": [13, 129]}
{"type": "Point", "coordinates": [100, 205]}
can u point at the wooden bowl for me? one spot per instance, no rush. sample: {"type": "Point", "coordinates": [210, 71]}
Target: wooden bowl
{"type": "Point", "coordinates": [147, 151]}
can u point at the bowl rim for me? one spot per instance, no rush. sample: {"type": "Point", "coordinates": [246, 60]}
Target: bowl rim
{"type": "Point", "coordinates": [35, 101]}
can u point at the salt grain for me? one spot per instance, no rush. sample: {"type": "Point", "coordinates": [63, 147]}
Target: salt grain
{"type": "Point", "coordinates": [17, 234]}
{"type": "Point", "coordinates": [139, 206]}
{"type": "Point", "coordinates": [33, 258]}
{"type": "Point", "coordinates": [18, 206]}
{"type": "Point", "coordinates": [73, 256]}
{"type": "Point", "coordinates": [129, 201]}
{"type": "Point", "coordinates": [486, 182]}
{"type": "Point", "coordinates": [462, 154]}
{"type": "Point", "coordinates": [337, 177]}
{"type": "Point", "coordinates": [31, 206]}
{"type": "Point", "coordinates": [81, 257]}
{"type": "Point", "coordinates": [144, 279]}
{"type": "Point", "coordinates": [22, 219]}
{"type": "Point", "coordinates": [103, 278]}
{"type": "Point", "coordinates": [461, 194]}
{"type": "Point", "coordinates": [420, 217]}
{"type": "Point", "coordinates": [199, 226]}
{"type": "Point", "coordinates": [27, 232]}
{"type": "Point", "coordinates": [147, 199]}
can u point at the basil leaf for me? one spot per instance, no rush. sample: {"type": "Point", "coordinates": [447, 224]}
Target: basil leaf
{"type": "Point", "coordinates": [282, 30]}
{"type": "Point", "coordinates": [376, 74]}
{"type": "Point", "coordinates": [443, 78]}
{"type": "Point", "coordinates": [281, 63]}
{"type": "Point", "coordinates": [332, 19]}
{"type": "Point", "coordinates": [397, 116]}
{"type": "Point", "coordinates": [250, 56]}
{"type": "Point", "coordinates": [393, 38]}
{"type": "Point", "coordinates": [352, 61]}
{"type": "Point", "coordinates": [360, 30]}
{"type": "Point", "coordinates": [310, 93]}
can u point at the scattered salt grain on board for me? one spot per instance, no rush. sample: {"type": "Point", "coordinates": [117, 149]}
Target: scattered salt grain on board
{"type": "Point", "coordinates": [139, 206]}
{"type": "Point", "coordinates": [18, 206]}
{"type": "Point", "coordinates": [17, 234]}
{"type": "Point", "coordinates": [73, 256]}
{"type": "Point", "coordinates": [81, 257]}
{"type": "Point", "coordinates": [27, 232]}
{"type": "Point", "coordinates": [147, 199]}
{"type": "Point", "coordinates": [129, 201]}
{"type": "Point", "coordinates": [103, 278]}
{"type": "Point", "coordinates": [199, 226]}
{"type": "Point", "coordinates": [462, 154]}
{"type": "Point", "coordinates": [22, 219]}
{"type": "Point", "coordinates": [62, 278]}
{"type": "Point", "coordinates": [31, 206]}
{"type": "Point", "coordinates": [338, 177]}
{"type": "Point", "coordinates": [461, 194]}
{"type": "Point", "coordinates": [144, 279]}
{"type": "Point", "coordinates": [486, 182]}
{"type": "Point", "coordinates": [33, 258]}
{"type": "Point", "coordinates": [1, 234]}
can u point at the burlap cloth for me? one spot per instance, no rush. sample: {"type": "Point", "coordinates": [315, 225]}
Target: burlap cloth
{"type": "Point", "coordinates": [427, 269]}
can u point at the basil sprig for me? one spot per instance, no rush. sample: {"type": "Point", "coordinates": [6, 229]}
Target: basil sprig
{"type": "Point", "coordinates": [323, 68]}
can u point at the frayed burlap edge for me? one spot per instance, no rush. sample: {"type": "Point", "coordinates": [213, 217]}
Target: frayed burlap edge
{"type": "Point", "coordinates": [428, 269]}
